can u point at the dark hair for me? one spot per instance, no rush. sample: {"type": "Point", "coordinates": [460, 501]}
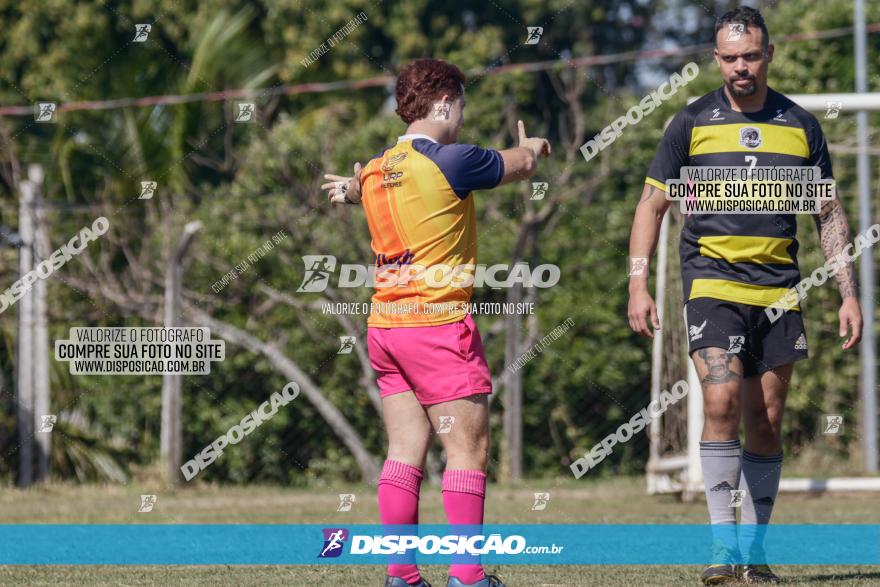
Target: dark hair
{"type": "Point", "coordinates": [421, 83]}
{"type": "Point", "coordinates": [747, 16]}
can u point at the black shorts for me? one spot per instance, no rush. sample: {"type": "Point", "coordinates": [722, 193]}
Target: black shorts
{"type": "Point", "coordinates": [746, 331]}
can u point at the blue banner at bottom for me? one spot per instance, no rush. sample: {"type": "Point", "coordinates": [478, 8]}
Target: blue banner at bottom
{"type": "Point", "coordinates": [529, 544]}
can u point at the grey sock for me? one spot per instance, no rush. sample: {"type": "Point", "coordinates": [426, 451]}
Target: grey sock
{"type": "Point", "coordinates": [760, 478]}
{"type": "Point", "coordinates": [721, 462]}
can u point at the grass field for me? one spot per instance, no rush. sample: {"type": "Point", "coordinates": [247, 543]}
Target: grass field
{"type": "Point", "coordinates": [621, 500]}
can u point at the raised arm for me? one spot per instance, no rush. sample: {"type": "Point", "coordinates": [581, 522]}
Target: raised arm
{"type": "Point", "coordinates": [520, 162]}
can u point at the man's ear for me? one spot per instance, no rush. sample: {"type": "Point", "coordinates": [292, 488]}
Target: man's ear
{"type": "Point", "coordinates": [770, 49]}
{"type": "Point", "coordinates": [440, 111]}
{"type": "Point", "coordinates": [717, 59]}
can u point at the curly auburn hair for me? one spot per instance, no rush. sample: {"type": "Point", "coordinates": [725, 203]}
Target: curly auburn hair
{"type": "Point", "coordinates": [421, 83]}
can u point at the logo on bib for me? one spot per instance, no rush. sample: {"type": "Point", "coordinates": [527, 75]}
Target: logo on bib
{"type": "Point", "coordinates": [750, 137]}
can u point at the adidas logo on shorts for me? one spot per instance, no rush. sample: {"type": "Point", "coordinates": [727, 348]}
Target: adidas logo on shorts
{"type": "Point", "coordinates": [696, 332]}
{"type": "Point", "coordinates": [801, 343]}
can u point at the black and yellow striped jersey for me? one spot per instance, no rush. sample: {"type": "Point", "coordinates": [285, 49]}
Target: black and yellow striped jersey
{"type": "Point", "coordinates": [745, 258]}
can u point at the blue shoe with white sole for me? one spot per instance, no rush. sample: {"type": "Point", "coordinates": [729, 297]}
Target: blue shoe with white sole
{"type": "Point", "coordinates": [398, 582]}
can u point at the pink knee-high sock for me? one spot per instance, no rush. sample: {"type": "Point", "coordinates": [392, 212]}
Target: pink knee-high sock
{"type": "Point", "coordinates": [399, 486]}
{"type": "Point", "coordinates": [464, 493]}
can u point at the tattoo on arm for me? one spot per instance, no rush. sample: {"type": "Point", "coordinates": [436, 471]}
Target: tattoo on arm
{"type": "Point", "coordinates": [718, 364]}
{"type": "Point", "coordinates": [649, 195]}
{"type": "Point", "coordinates": [834, 236]}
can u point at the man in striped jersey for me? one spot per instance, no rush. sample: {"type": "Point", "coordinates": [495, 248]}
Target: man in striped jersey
{"type": "Point", "coordinates": [733, 267]}
{"type": "Point", "coordinates": [417, 197]}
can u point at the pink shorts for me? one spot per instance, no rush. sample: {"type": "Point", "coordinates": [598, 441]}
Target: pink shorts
{"type": "Point", "coordinates": [438, 363]}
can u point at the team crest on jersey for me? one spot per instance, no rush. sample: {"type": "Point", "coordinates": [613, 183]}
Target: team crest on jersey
{"type": "Point", "coordinates": [750, 137]}
{"type": "Point", "coordinates": [392, 161]}
{"type": "Point", "coordinates": [391, 178]}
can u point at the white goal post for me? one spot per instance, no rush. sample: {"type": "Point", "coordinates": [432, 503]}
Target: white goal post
{"type": "Point", "coordinates": [679, 471]}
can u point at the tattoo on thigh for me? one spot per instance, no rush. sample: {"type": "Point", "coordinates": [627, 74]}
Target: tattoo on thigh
{"type": "Point", "coordinates": [718, 365]}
